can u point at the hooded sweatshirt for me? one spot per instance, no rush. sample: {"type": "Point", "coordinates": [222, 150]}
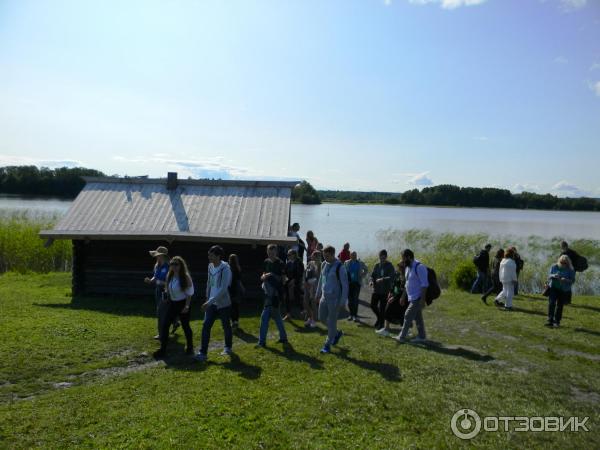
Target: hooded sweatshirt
{"type": "Point", "coordinates": [217, 287]}
{"type": "Point", "coordinates": [508, 271]}
{"type": "Point", "coordinates": [330, 288]}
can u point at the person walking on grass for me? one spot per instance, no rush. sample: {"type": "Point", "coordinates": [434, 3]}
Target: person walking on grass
{"type": "Point", "coordinates": [508, 278]}
{"type": "Point", "coordinates": [332, 292]}
{"type": "Point", "coordinates": [357, 270]}
{"type": "Point", "coordinates": [236, 290]}
{"type": "Point", "coordinates": [482, 262]}
{"type": "Point", "coordinates": [560, 281]}
{"type": "Point", "coordinates": [416, 294]}
{"type": "Point", "coordinates": [159, 279]}
{"type": "Point", "coordinates": [272, 280]}
{"type": "Point", "coordinates": [496, 286]}
{"type": "Point", "coordinates": [311, 278]}
{"type": "Point", "coordinates": [396, 306]}
{"type": "Point", "coordinates": [520, 264]}
{"type": "Point", "coordinates": [345, 253]}
{"type": "Point", "coordinates": [218, 303]}
{"type": "Point", "coordinates": [382, 278]}
{"type": "Point", "coordinates": [180, 290]}
{"type": "Point", "coordinates": [294, 271]}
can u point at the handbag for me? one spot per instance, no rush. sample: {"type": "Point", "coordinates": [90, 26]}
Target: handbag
{"type": "Point", "coordinates": [546, 291]}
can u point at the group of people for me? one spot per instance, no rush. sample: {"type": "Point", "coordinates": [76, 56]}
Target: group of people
{"type": "Point", "coordinates": [502, 279]}
{"type": "Point", "coordinates": [321, 289]}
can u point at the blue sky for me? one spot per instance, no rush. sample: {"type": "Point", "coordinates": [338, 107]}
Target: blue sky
{"type": "Point", "coordinates": [356, 95]}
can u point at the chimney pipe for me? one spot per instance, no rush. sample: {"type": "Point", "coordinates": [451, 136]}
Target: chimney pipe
{"type": "Point", "coordinates": [172, 181]}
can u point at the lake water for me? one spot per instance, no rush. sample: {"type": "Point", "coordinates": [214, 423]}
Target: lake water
{"type": "Point", "coordinates": [359, 224]}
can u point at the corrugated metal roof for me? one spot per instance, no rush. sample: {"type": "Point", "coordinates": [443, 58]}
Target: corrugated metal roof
{"type": "Point", "coordinates": [196, 210]}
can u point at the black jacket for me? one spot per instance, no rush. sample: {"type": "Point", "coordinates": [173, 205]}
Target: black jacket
{"type": "Point", "coordinates": [483, 261]}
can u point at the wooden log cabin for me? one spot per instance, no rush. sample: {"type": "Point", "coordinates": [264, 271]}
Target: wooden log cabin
{"type": "Point", "coordinates": [115, 222]}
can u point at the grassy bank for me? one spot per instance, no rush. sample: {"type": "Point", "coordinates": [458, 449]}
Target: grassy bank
{"type": "Point", "coordinates": [446, 251]}
{"type": "Point", "coordinates": [76, 372]}
{"type": "Point", "coordinates": [22, 250]}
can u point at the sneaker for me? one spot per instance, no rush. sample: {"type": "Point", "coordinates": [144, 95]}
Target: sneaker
{"type": "Point", "coordinates": [175, 326]}
{"type": "Point", "coordinates": [508, 308]}
{"type": "Point", "coordinates": [157, 337]}
{"type": "Point", "coordinates": [484, 299]}
{"type": "Point", "coordinates": [350, 318]}
{"type": "Point", "coordinates": [226, 351]}
{"type": "Point", "coordinates": [200, 357]}
{"type": "Point", "coordinates": [557, 325]}
{"type": "Point", "coordinates": [356, 319]}
{"type": "Point", "coordinates": [235, 325]}
{"type": "Point", "coordinates": [498, 303]}
{"type": "Point", "coordinates": [282, 341]}
{"type": "Point", "coordinates": [286, 317]}
{"type": "Point", "coordinates": [418, 340]}
{"type": "Point", "coordinates": [548, 324]}
{"type": "Point", "coordinates": [326, 349]}
{"type": "Point", "coordinates": [384, 332]}
{"type": "Point", "coordinates": [307, 323]}
{"type": "Point", "coordinates": [337, 338]}
{"type": "Point", "coordinates": [261, 345]}
{"type": "Point", "coordinates": [313, 324]}
{"type": "Point", "coordinates": [400, 340]}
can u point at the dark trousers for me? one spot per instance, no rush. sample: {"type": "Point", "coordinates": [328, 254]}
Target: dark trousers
{"type": "Point", "coordinates": [481, 282]}
{"type": "Point", "coordinates": [210, 316]}
{"type": "Point", "coordinates": [378, 304]}
{"type": "Point", "coordinates": [353, 293]}
{"type": "Point", "coordinates": [172, 310]}
{"type": "Point", "coordinates": [235, 310]}
{"type": "Point", "coordinates": [496, 288]}
{"type": "Point", "coordinates": [556, 301]}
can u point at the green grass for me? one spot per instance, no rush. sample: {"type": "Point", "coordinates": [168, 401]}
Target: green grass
{"type": "Point", "coordinates": [370, 393]}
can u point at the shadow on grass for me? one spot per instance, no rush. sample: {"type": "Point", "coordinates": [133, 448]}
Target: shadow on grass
{"type": "Point", "coordinates": [589, 308]}
{"type": "Point", "coordinates": [438, 347]}
{"type": "Point", "coordinates": [232, 363]}
{"type": "Point", "coordinates": [387, 371]}
{"type": "Point", "coordinates": [528, 311]}
{"type": "Point", "coordinates": [244, 336]}
{"type": "Point", "coordinates": [290, 353]}
{"type": "Point", "coordinates": [533, 297]}
{"type": "Point", "coordinates": [585, 330]}
{"type": "Point", "coordinates": [303, 329]}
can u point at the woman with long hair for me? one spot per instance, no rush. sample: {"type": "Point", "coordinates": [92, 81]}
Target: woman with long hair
{"type": "Point", "coordinates": [311, 244]}
{"type": "Point", "coordinates": [508, 278]}
{"type": "Point", "coordinates": [236, 290]}
{"type": "Point", "coordinates": [180, 290]}
{"type": "Point", "coordinates": [560, 281]}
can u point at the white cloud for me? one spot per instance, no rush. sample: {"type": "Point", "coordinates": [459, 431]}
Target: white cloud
{"type": "Point", "coordinates": [596, 88]}
{"type": "Point", "coordinates": [573, 4]}
{"type": "Point", "coordinates": [524, 187]}
{"type": "Point", "coordinates": [418, 179]}
{"type": "Point", "coordinates": [215, 167]}
{"type": "Point", "coordinates": [561, 60]}
{"type": "Point", "coordinates": [566, 189]}
{"type": "Point", "coordinates": [449, 4]}
{"type": "Point", "coordinates": [11, 160]}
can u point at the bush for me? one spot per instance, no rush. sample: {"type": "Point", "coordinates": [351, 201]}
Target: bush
{"type": "Point", "coordinates": [464, 276]}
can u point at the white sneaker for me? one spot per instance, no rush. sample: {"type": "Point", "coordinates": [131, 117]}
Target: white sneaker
{"type": "Point", "coordinates": [418, 340]}
{"type": "Point", "coordinates": [313, 324]}
{"type": "Point", "coordinates": [400, 340]}
{"type": "Point", "coordinates": [383, 332]}
{"type": "Point", "coordinates": [226, 351]}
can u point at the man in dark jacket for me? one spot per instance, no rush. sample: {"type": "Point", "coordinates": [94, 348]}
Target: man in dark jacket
{"type": "Point", "coordinates": [382, 279]}
{"type": "Point", "coordinates": [482, 262]}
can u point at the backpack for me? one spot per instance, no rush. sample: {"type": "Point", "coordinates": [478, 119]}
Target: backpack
{"type": "Point", "coordinates": [434, 290]}
{"type": "Point", "coordinates": [579, 262]}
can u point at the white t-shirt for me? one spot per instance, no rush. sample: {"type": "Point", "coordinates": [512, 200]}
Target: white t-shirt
{"type": "Point", "coordinates": [176, 293]}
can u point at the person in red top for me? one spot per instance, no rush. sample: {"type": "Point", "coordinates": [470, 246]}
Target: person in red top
{"type": "Point", "coordinates": [345, 253]}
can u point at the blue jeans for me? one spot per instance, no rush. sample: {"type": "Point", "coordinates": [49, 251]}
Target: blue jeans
{"type": "Point", "coordinates": [481, 283]}
{"type": "Point", "coordinates": [328, 314]}
{"type": "Point", "coordinates": [268, 312]}
{"type": "Point", "coordinates": [210, 316]}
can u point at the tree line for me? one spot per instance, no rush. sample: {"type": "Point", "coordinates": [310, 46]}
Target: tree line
{"type": "Point", "coordinates": [67, 183]}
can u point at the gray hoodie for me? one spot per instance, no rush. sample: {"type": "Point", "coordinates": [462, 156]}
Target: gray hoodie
{"type": "Point", "coordinates": [217, 286]}
{"type": "Point", "coordinates": [330, 288]}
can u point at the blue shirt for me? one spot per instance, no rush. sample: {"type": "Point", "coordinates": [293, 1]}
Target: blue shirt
{"type": "Point", "coordinates": [354, 269]}
{"type": "Point", "coordinates": [160, 273]}
{"type": "Point", "coordinates": [416, 280]}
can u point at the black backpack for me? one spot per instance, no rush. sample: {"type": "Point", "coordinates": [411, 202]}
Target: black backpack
{"type": "Point", "coordinates": [580, 264]}
{"type": "Point", "coordinates": [433, 291]}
